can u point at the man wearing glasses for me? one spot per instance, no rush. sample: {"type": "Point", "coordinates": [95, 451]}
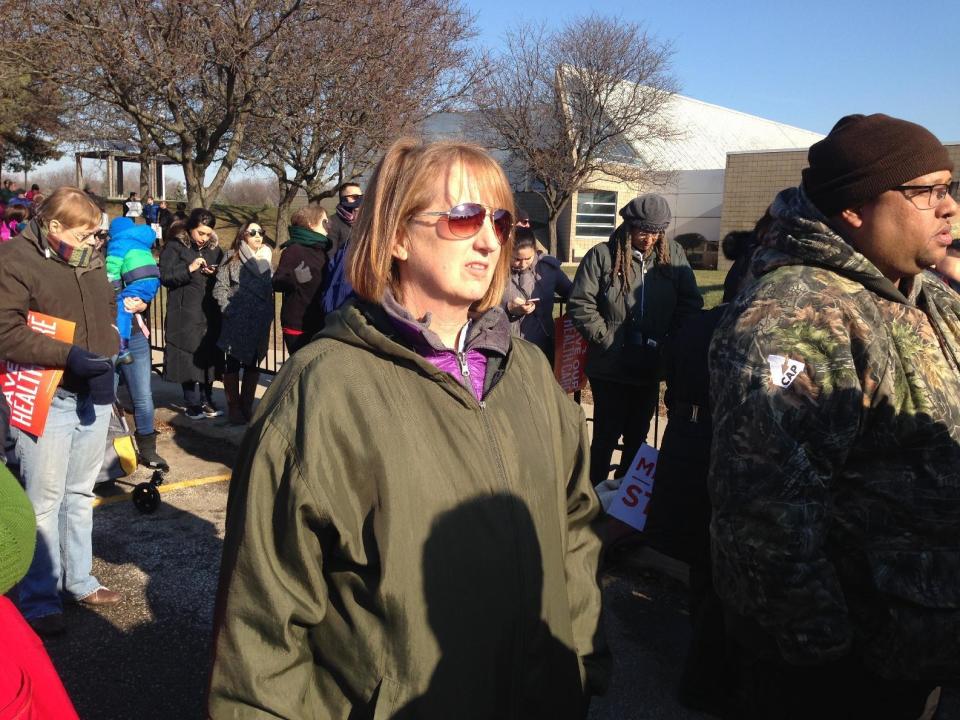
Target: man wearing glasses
{"type": "Point", "coordinates": [835, 478]}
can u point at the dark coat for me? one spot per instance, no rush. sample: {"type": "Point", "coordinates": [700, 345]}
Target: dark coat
{"type": "Point", "coordinates": [193, 316]}
{"type": "Point", "coordinates": [338, 231]}
{"type": "Point", "coordinates": [543, 280]}
{"type": "Point", "coordinates": [32, 277]}
{"type": "Point", "coordinates": [245, 295]}
{"type": "Point", "coordinates": [302, 301]}
{"type": "Point", "coordinates": [678, 517]}
{"type": "Point", "coordinates": [602, 312]}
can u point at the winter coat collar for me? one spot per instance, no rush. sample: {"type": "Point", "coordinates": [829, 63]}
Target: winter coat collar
{"type": "Point", "coordinates": [488, 331]}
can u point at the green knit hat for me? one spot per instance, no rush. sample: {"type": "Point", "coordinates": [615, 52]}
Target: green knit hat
{"type": "Point", "coordinates": [18, 531]}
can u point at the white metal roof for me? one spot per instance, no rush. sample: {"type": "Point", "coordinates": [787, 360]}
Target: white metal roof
{"type": "Point", "coordinates": [708, 132]}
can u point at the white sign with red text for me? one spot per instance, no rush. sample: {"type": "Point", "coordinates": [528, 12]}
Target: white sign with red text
{"type": "Point", "coordinates": [630, 503]}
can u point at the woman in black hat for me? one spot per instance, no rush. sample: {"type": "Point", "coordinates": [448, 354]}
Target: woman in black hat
{"type": "Point", "coordinates": [628, 295]}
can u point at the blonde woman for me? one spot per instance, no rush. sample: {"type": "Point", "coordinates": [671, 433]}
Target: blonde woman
{"type": "Point", "coordinates": [52, 267]}
{"type": "Point", "coordinates": [409, 530]}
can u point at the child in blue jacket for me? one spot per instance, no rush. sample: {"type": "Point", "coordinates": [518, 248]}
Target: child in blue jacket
{"type": "Point", "coordinates": [132, 271]}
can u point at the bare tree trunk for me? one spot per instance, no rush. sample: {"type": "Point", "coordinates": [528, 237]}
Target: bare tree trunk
{"type": "Point", "coordinates": [193, 180]}
{"type": "Point", "coordinates": [288, 193]}
{"type": "Point", "coordinates": [552, 237]}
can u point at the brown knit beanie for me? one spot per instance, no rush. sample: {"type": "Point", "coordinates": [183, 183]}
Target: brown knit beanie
{"type": "Point", "coordinates": [866, 155]}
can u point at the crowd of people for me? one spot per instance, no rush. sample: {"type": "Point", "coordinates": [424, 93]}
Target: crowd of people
{"type": "Point", "coordinates": [413, 529]}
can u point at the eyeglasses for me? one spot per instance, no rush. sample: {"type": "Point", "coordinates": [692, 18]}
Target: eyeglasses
{"type": "Point", "coordinates": [351, 198]}
{"type": "Point", "coordinates": [466, 219]}
{"type": "Point", "coordinates": [930, 195]}
{"type": "Point", "coordinates": [254, 232]}
{"type": "Point", "coordinates": [88, 237]}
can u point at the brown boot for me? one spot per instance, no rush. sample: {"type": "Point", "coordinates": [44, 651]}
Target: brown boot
{"type": "Point", "coordinates": [249, 392]}
{"type": "Point", "coordinates": [231, 388]}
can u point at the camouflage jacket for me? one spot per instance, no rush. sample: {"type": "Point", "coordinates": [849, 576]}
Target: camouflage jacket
{"type": "Point", "coordinates": [835, 476]}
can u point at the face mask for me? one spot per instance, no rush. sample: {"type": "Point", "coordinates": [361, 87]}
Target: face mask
{"type": "Point", "coordinates": [351, 205]}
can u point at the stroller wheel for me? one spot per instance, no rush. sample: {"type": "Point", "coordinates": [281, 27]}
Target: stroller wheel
{"type": "Point", "coordinates": [146, 498]}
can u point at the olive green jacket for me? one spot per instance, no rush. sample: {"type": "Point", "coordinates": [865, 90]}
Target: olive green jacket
{"type": "Point", "coordinates": [600, 310]}
{"type": "Point", "coordinates": [395, 549]}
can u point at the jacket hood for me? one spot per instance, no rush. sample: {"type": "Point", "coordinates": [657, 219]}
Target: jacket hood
{"type": "Point", "coordinates": [124, 233]}
{"type": "Point", "coordinates": [801, 235]}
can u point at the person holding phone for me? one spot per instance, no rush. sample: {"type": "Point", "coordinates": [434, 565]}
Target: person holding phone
{"type": "Point", "coordinates": [535, 278]}
{"type": "Point", "coordinates": [188, 268]}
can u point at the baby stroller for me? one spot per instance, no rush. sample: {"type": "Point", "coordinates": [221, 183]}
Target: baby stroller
{"type": "Point", "coordinates": [120, 462]}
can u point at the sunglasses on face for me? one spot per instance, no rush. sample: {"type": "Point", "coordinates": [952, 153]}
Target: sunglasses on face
{"type": "Point", "coordinates": [466, 219]}
{"type": "Point", "coordinates": [254, 232]}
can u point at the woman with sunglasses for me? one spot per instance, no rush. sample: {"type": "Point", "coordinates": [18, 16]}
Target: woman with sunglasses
{"type": "Point", "coordinates": [188, 268]}
{"type": "Point", "coordinates": [53, 268]}
{"type": "Point", "coordinates": [245, 293]}
{"type": "Point", "coordinates": [409, 531]}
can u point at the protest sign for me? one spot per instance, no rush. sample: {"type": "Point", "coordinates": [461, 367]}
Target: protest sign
{"type": "Point", "coordinates": [570, 355]}
{"type": "Point", "coordinates": [630, 503]}
{"type": "Point", "coordinates": [29, 389]}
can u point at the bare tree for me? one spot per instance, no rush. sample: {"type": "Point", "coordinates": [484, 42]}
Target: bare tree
{"type": "Point", "coordinates": [187, 75]}
{"type": "Point", "coordinates": [375, 74]}
{"type": "Point", "coordinates": [576, 104]}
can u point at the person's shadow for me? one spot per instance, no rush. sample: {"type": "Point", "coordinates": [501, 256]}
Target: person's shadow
{"type": "Point", "coordinates": [483, 585]}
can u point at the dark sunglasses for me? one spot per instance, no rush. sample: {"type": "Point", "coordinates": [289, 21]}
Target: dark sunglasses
{"type": "Point", "coordinates": [466, 219]}
{"type": "Point", "coordinates": [254, 233]}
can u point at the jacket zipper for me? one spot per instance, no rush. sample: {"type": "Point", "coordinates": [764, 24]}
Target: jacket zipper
{"type": "Point", "coordinates": [464, 367]}
{"type": "Point", "coordinates": [522, 580]}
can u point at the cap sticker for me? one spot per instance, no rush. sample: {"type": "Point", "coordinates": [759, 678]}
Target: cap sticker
{"type": "Point", "coordinates": [783, 370]}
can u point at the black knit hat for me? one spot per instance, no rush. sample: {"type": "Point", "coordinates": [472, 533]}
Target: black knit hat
{"type": "Point", "coordinates": [649, 213]}
{"type": "Point", "coordinates": [866, 155]}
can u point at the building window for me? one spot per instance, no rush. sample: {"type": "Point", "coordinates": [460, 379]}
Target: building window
{"type": "Point", "coordinates": [596, 213]}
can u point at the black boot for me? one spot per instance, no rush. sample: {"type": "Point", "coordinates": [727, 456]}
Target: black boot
{"type": "Point", "coordinates": [147, 453]}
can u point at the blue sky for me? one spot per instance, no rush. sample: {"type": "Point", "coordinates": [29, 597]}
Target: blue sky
{"type": "Point", "coordinates": [802, 63]}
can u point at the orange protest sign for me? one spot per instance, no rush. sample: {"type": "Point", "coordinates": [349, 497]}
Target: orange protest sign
{"type": "Point", "coordinates": [570, 355]}
{"type": "Point", "coordinates": [29, 389]}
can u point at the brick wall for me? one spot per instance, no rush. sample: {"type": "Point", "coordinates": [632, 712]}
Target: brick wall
{"type": "Point", "coordinates": [752, 181]}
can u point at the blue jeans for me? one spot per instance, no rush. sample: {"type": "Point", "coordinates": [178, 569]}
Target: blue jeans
{"type": "Point", "coordinates": [59, 469]}
{"type": "Point", "coordinates": [136, 376]}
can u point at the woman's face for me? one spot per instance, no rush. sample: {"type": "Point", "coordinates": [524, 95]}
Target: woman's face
{"type": "Point", "coordinates": [73, 236]}
{"type": "Point", "coordinates": [253, 236]}
{"type": "Point", "coordinates": [201, 234]}
{"type": "Point", "coordinates": [439, 271]}
{"type": "Point", "coordinates": [523, 259]}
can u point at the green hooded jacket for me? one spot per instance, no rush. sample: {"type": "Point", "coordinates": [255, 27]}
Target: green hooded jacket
{"type": "Point", "coordinates": [599, 308]}
{"type": "Point", "coordinates": [396, 549]}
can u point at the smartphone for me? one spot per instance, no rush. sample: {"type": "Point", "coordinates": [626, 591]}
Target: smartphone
{"type": "Point", "coordinates": [533, 299]}
{"type": "Point", "coordinates": [211, 267]}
